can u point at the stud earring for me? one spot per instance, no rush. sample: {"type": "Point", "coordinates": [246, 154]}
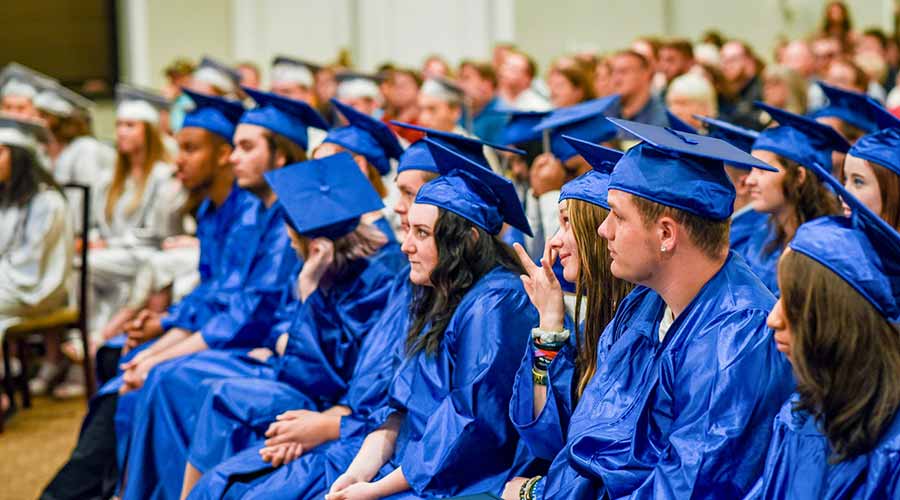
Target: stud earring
{"type": "Point", "coordinates": [663, 249]}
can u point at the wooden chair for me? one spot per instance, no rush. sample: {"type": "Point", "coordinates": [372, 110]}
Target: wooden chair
{"type": "Point", "coordinates": [58, 321]}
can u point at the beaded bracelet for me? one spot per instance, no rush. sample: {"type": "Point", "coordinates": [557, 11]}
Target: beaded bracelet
{"type": "Point", "coordinates": [526, 491]}
{"type": "Point", "coordinates": [534, 486]}
{"type": "Point", "coordinates": [550, 337]}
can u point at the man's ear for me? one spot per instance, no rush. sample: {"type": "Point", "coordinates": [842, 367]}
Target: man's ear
{"type": "Point", "coordinates": [667, 231]}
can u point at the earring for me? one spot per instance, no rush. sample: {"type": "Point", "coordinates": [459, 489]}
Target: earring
{"type": "Point", "coordinates": [663, 249]}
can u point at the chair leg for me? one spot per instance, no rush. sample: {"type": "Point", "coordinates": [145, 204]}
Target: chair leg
{"type": "Point", "coordinates": [8, 386]}
{"type": "Point", "coordinates": [22, 347]}
{"type": "Point", "coordinates": [87, 363]}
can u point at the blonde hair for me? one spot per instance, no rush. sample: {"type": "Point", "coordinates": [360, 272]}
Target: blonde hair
{"type": "Point", "coordinates": [797, 86]}
{"type": "Point", "coordinates": [155, 152]}
{"type": "Point", "coordinates": [695, 87]}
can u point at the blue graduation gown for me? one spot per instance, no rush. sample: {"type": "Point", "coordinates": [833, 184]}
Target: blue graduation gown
{"type": "Point", "coordinates": [744, 224]}
{"type": "Point", "coordinates": [313, 473]}
{"type": "Point", "coordinates": [223, 233]}
{"type": "Point", "coordinates": [327, 327]}
{"type": "Point", "coordinates": [689, 416]}
{"type": "Point", "coordinates": [763, 263]}
{"type": "Point", "coordinates": [322, 348]}
{"type": "Point", "coordinates": [544, 436]}
{"type": "Point", "coordinates": [797, 465]}
{"type": "Point", "coordinates": [456, 437]}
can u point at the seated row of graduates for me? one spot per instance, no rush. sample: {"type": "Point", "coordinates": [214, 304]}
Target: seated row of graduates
{"type": "Point", "coordinates": [448, 364]}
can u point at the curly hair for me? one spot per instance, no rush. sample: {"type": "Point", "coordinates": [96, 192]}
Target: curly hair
{"type": "Point", "coordinates": [464, 257]}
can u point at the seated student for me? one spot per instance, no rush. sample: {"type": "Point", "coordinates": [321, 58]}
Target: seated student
{"type": "Point", "coordinates": [316, 439]}
{"type": "Point", "coordinates": [838, 436]}
{"type": "Point", "coordinates": [872, 174]}
{"type": "Point", "coordinates": [789, 196]}
{"type": "Point", "coordinates": [670, 411]}
{"type": "Point", "coordinates": [745, 222]}
{"type": "Point", "coordinates": [267, 137]}
{"type": "Point", "coordinates": [35, 231]}
{"type": "Point", "coordinates": [293, 435]}
{"type": "Point", "coordinates": [225, 222]}
{"type": "Point", "coordinates": [136, 203]}
{"type": "Point", "coordinates": [560, 162]}
{"type": "Point", "coordinates": [555, 371]}
{"type": "Point", "coordinates": [445, 429]}
{"type": "Point", "coordinates": [373, 145]}
{"type": "Point", "coordinates": [18, 87]}
{"type": "Point", "coordinates": [853, 114]}
{"type": "Point", "coordinates": [242, 312]}
{"type": "Point", "coordinates": [342, 291]}
{"type": "Point", "coordinates": [689, 95]}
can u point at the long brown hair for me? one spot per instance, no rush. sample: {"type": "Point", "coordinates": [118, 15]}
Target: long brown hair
{"type": "Point", "coordinates": [845, 355]}
{"type": "Point", "coordinates": [155, 152]}
{"type": "Point", "coordinates": [463, 258]}
{"type": "Point", "coordinates": [808, 197]}
{"type": "Point", "coordinates": [595, 287]}
{"type": "Point", "coordinates": [889, 185]}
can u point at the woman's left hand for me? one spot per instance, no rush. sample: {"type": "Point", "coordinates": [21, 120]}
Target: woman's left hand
{"type": "Point", "coordinates": [511, 490]}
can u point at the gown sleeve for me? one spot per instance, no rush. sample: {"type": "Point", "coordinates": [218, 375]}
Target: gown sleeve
{"type": "Point", "coordinates": [545, 435]}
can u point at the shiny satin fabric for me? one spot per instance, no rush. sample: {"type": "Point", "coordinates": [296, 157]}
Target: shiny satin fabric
{"type": "Point", "coordinates": [797, 464]}
{"type": "Point", "coordinates": [222, 232]}
{"type": "Point", "coordinates": [686, 417]}
{"type": "Point", "coordinates": [311, 475]}
{"type": "Point", "coordinates": [456, 437]}
{"type": "Point", "coordinates": [174, 409]}
{"type": "Point", "coordinates": [743, 226]}
{"type": "Point", "coordinates": [544, 436]}
{"type": "Point", "coordinates": [763, 264]}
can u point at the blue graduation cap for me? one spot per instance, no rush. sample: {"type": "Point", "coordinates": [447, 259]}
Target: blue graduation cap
{"type": "Point", "coordinates": [862, 249]}
{"type": "Point", "coordinates": [859, 110]}
{"type": "Point", "coordinates": [799, 138]}
{"type": "Point", "coordinates": [472, 149]}
{"type": "Point", "coordinates": [472, 191]}
{"type": "Point", "coordinates": [217, 74]}
{"type": "Point", "coordinates": [882, 147]}
{"type": "Point", "coordinates": [366, 136]}
{"type": "Point", "coordinates": [740, 137]}
{"type": "Point", "coordinates": [335, 186]}
{"type": "Point", "coordinates": [679, 124]}
{"type": "Point", "coordinates": [417, 157]}
{"type": "Point", "coordinates": [215, 114]}
{"type": "Point", "coordinates": [287, 117]}
{"type": "Point", "coordinates": [22, 133]}
{"type": "Point", "coordinates": [592, 186]}
{"type": "Point", "coordinates": [520, 127]}
{"type": "Point", "coordinates": [680, 170]}
{"type": "Point", "coordinates": [586, 120]}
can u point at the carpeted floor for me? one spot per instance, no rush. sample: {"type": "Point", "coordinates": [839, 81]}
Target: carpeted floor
{"type": "Point", "coordinates": [35, 444]}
